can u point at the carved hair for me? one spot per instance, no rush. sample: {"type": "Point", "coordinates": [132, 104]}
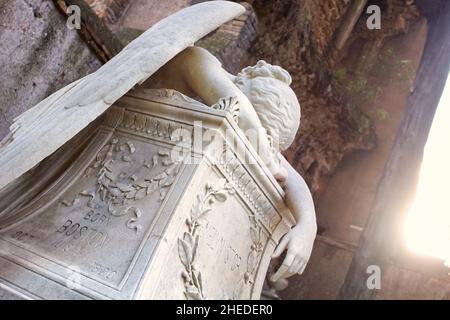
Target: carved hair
{"type": "Point", "coordinates": [267, 88]}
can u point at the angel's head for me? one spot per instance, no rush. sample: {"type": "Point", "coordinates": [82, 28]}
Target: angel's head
{"type": "Point", "coordinates": [267, 88]}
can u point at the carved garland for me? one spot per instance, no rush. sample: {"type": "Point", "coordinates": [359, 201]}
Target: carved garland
{"type": "Point", "coordinates": [188, 244]}
{"type": "Point", "coordinates": [118, 191]}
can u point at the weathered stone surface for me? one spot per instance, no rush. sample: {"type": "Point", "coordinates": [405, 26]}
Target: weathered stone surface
{"type": "Point", "coordinates": [38, 55]}
{"type": "Point", "coordinates": [142, 14]}
{"type": "Point", "coordinates": [66, 112]}
{"type": "Point", "coordinates": [229, 43]}
{"type": "Point", "coordinates": [144, 213]}
{"type": "Point", "coordinates": [92, 30]}
{"type": "Point", "coordinates": [109, 11]}
{"type": "Point", "coordinates": [98, 91]}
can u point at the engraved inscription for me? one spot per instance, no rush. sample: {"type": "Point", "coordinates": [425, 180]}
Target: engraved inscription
{"type": "Point", "coordinates": [220, 246]}
{"type": "Point", "coordinates": [118, 189]}
{"type": "Point", "coordinates": [103, 271]}
{"type": "Point", "coordinates": [187, 246]}
{"type": "Point", "coordinates": [106, 209]}
{"type": "Point", "coordinates": [22, 236]}
{"type": "Point", "coordinates": [77, 237]}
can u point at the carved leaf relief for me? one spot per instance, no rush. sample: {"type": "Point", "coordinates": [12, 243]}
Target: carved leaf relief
{"type": "Point", "coordinates": [118, 190]}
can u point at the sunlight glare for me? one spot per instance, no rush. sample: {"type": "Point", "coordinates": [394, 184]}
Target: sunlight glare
{"type": "Point", "coordinates": [427, 227]}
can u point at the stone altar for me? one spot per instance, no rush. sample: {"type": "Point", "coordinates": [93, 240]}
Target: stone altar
{"type": "Point", "coordinates": [102, 190]}
{"type": "Point", "coordinates": [154, 207]}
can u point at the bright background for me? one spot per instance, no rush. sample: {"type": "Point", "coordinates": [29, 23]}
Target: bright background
{"type": "Point", "coordinates": [427, 228]}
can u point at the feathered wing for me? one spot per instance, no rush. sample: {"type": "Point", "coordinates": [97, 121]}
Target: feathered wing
{"type": "Point", "coordinates": [41, 130]}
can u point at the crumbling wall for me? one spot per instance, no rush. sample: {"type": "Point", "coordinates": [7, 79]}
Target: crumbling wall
{"type": "Point", "coordinates": [325, 17]}
{"type": "Point", "coordinates": [38, 56]}
{"type": "Point", "coordinates": [230, 42]}
{"type": "Point", "coordinates": [295, 35]}
{"type": "Point", "coordinates": [109, 11]}
{"type": "Point", "coordinates": [347, 124]}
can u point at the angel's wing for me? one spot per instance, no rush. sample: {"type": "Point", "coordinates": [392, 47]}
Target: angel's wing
{"type": "Point", "coordinates": [44, 128]}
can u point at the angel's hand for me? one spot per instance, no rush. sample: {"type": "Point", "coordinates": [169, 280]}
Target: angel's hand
{"type": "Point", "coordinates": [299, 245]}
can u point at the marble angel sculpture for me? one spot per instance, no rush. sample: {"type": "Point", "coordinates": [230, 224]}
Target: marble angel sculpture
{"type": "Point", "coordinates": [269, 107]}
{"type": "Point", "coordinates": [266, 102]}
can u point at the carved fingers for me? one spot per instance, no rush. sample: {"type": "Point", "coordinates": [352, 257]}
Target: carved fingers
{"type": "Point", "coordinates": [290, 266]}
{"type": "Point", "coordinates": [283, 270]}
{"type": "Point", "coordinates": [296, 258]}
{"type": "Point", "coordinates": [281, 247]}
{"type": "Point", "coordinates": [297, 265]}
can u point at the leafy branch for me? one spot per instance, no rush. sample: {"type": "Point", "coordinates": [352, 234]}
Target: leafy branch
{"type": "Point", "coordinates": [187, 246]}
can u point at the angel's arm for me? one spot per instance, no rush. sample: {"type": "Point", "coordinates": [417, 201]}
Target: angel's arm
{"type": "Point", "coordinates": [201, 74]}
{"type": "Point", "coordinates": [300, 239]}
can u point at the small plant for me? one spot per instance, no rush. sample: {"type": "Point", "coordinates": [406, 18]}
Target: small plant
{"type": "Point", "coordinates": [392, 68]}
{"type": "Point", "coordinates": [379, 113]}
{"type": "Point", "coordinates": [382, 114]}
{"type": "Point", "coordinates": [340, 74]}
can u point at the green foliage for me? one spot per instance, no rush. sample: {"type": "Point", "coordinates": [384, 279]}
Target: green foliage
{"type": "Point", "coordinates": [340, 74]}
{"type": "Point", "coordinates": [382, 114]}
{"type": "Point", "coordinates": [353, 90]}
{"type": "Point", "coordinates": [391, 68]}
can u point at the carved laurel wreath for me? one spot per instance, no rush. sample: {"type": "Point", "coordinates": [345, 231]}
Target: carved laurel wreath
{"type": "Point", "coordinates": [119, 190]}
{"type": "Point", "coordinates": [188, 244]}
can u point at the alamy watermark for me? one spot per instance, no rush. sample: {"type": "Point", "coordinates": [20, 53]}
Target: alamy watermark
{"type": "Point", "coordinates": [74, 19]}
{"type": "Point", "coordinates": [373, 282]}
{"type": "Point", "coordinates": [374, 20]}
{"type": "Point", "coordinates": [202, 140]}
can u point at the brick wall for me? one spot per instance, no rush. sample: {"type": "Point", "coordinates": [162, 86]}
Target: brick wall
{"type": "Point", "coordinates": [230, 43]}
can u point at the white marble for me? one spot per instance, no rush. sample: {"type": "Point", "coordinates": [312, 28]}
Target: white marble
{"type": "Point", "coordinates": [129, 221]}
{"type": "Point", "coordinates": [269, 117]}
{"type": "Point", "coordinates": [129, 217]}
{"type": "Point", "coordinates": [44, 128]}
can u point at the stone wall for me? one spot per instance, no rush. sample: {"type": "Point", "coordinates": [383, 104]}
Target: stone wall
{"type": "Point", "coordinates": [109, 11]}
{"type": "Point", "coordinates": [231, 42]}
{"type": "Point", "coordinates": [39, 56]}
{"type": "Point", "coordinates": [295, 34]}
{"type": "Point", "coordinates": [325, 19]}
